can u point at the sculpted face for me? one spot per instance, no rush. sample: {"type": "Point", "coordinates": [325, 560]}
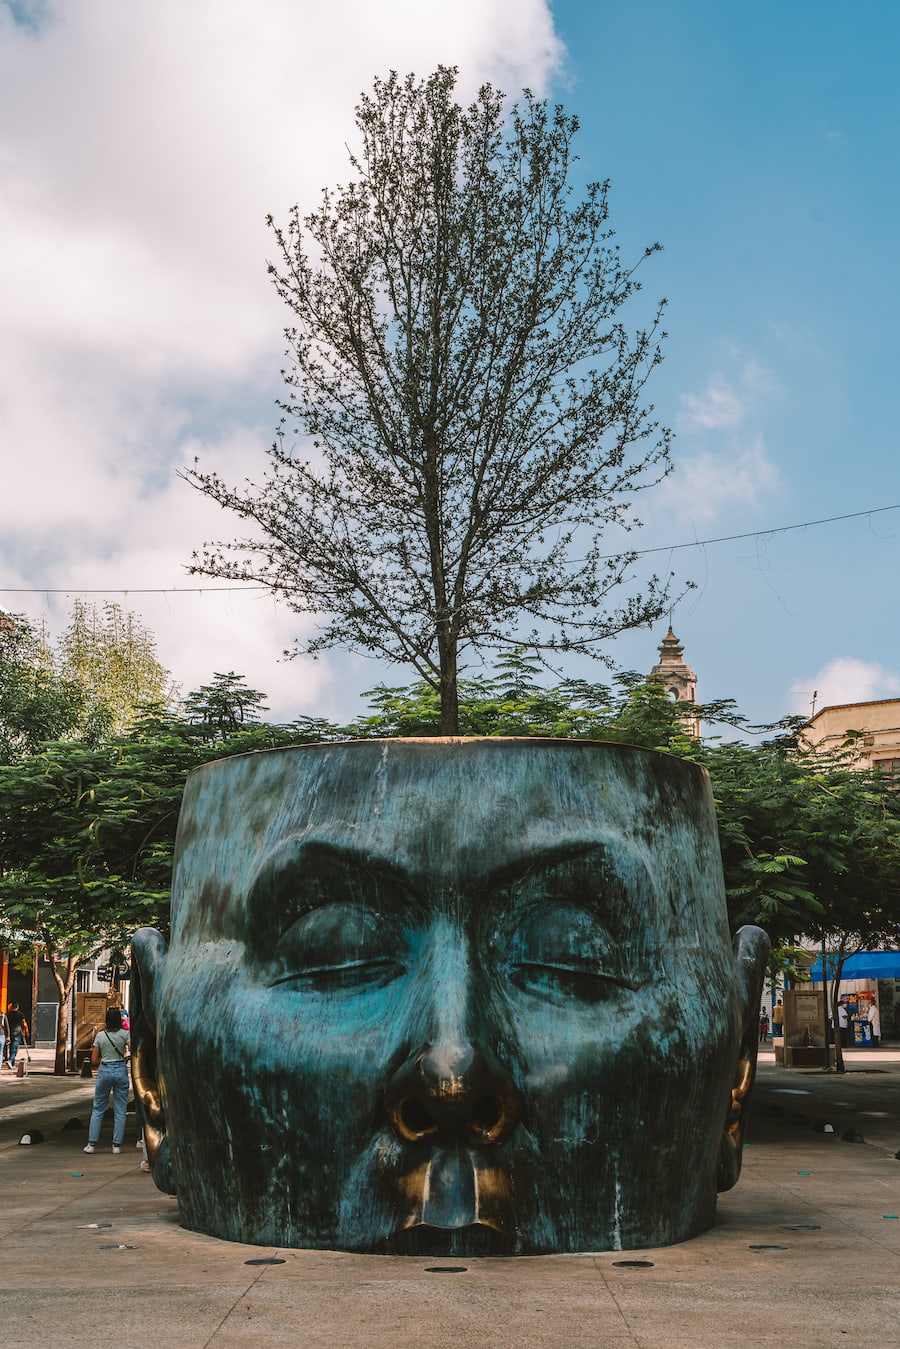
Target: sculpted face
{"type": "Point", "coordinates": [448, 997]}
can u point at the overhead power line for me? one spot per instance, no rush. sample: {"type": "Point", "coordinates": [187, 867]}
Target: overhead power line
{"type": "Point", "coordinates": [761, 533]}
{"type": "Point", "coordinates": [126, 590]}
{"type": "Point", "coordinates": [639, 552]}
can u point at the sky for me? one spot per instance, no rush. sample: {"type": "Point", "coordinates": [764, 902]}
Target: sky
{"type": "Point", "coordinates": [142, 147]}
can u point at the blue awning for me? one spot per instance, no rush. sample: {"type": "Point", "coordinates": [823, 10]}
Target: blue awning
{"type": "Point", "coordinates": [864, 965]}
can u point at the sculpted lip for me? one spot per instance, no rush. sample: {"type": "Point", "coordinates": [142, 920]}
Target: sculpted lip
{"type": "Point", "coordinates": [457, 1188]}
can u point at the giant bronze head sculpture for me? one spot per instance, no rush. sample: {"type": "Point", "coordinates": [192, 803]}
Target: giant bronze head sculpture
{"type": "Point", "coordinates": [448, 997]}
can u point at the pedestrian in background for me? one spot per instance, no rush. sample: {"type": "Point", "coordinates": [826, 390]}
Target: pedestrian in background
{"type": "Point", "coordinates": [778, 1019]}
{"type": "Point", "coordinates": [109, 1056]}
{"type": "Point", "coordinates": [4, 1036]}
{"type": "Point", "coordinates": [18, 1031]}
{"type": "Point", "coordinates": [844, 1024]}
{"type": "Point", "coordinates": [875, 1022]}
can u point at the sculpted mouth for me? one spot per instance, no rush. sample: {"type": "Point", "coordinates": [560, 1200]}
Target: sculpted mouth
{"type": "Point", "coordinates": [455, 1242]}
{"type": "Point", "coordinates": [455, 1190]}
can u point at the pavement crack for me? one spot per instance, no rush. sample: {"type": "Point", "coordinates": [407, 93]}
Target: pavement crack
{"type": "Point", "coordinates": [237, 1301]}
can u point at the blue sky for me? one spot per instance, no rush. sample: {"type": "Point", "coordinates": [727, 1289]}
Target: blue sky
{"type": "Point", "coordinates": [141, 147]}
{"type": "Point", "coordinates": [759, 144]}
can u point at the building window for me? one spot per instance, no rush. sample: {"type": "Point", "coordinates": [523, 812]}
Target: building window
{"type": "Point", "coordinates": [889, 766]}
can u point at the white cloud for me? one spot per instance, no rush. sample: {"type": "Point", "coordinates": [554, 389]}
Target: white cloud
{"type": "Point", "coordinates": [141, 146]}
{"type": "Point", "coordinates": [733, 468]}
{"type": "Point", "coordinates": [726, 403]}
{"type": "Point", "coordinates": [706, 484]}
{"type": "Point", "coordinates": [717, 407]}
{"type": "Point", "coordinates": [843, 680]}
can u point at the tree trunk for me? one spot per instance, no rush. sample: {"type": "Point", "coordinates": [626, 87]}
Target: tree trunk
{"type": "Point", "coordinates": [835, 998]}
{"type": "Point", "coordinates": [449, 690]}
{"type": "Point", "coordinates": [64, 986]}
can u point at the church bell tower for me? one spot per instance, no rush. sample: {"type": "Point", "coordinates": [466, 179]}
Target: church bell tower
{"type": "Point", "coordinates": [678, 678]}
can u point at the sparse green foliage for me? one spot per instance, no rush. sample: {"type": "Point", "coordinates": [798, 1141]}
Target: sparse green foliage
{"type": "Point", "coordinates": [110, 655]}
{"type": "Point", "coordinates": [90, 685]}
{"type": "Point", "coordinates": [511, 702]}
{"type": "Point", "coordinates": [465, 414]}
{"type": "Point", "coordinates": [37, 702]}
{"type": "Point", "coordinates": [810, 844]}
{"type": "Point", "coordinates": [224, 707]}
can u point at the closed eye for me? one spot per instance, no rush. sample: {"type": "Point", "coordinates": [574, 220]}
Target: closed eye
{"type": "Point", "coordinates": [561, 950]}
{"type": "Point", "coordinates": [334, 977]}
{"type": "Point", "coordinates": [336, 947]}
{"type": "Point", "coordinates": [574, 979]}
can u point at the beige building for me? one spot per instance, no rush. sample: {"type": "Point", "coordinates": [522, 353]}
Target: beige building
{"type": "Point", "coordinates": [679, 679]}
{"type": "Point", "coordinates": [878, 727]}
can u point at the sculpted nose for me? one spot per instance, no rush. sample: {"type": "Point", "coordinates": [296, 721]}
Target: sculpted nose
{"type": "Point", "coordinates": [454, 1094]}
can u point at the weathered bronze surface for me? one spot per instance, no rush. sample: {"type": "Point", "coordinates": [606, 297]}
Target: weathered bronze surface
{"type": "Point", "coordinates": [448, 997]}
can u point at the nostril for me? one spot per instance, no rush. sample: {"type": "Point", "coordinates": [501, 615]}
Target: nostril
{"type": "Point", "coordinates": [415, 1118]}
{"type": "Point", "coordinates": [485, 1115]}
{"type": "Point", "coordinates": [458, 1094]}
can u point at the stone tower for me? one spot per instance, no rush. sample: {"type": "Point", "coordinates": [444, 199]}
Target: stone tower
{"type": "Point", "coordinates": [679, 679]}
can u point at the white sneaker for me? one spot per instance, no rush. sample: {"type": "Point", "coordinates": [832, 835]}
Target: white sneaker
{"type": "Point", "coordinates": [91, 1147]}
{"type": "Point", "coordinates": [116, 1149]}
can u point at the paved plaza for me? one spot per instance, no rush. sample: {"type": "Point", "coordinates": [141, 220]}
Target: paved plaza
{"type": "Point", "coordinates": [805, 1250]}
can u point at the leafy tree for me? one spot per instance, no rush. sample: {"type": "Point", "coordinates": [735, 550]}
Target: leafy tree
{"type": "Point", "coordinates": [511, 702]}
{"type": "Point", "coordinates": [471, 397]}
{"type": "Point", "coordinates": [86, 838]}
{"type": "Point", "coordinates": [37, 703]}
{"type": "Point", "coordinates": [225, 706]}
{"type": "Point", "coordinates": [110, 655]}
{"type": "Point", "coordinates": [90, 685]}
{"type": "Point", "coordinates": [763, 801]}
{"type": "Point", "coordinates": [859, 886]}
{"type": "Point", "coordinates": [810, 843]}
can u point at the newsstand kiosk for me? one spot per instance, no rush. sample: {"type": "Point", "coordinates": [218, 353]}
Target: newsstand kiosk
{"type": "Point", "coordinates": [803, 1044]}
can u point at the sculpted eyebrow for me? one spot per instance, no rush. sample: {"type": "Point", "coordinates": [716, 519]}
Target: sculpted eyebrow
{"type": "Point", "coordinates": [620, 864]}
{"type": "Point", "coordinates": [300, 866]}
{"type": "Point", "coordinates": [544, 856]}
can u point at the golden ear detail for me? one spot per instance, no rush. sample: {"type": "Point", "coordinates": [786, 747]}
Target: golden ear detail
{"type": "Point", "coordinates": [735, 1123]}
{"type": "Point", "coordinates": [148, 949]}
{"type": "Point", "coordinates": [146, 1088]}
{"type": "Point", "coordinates": [751, 949]}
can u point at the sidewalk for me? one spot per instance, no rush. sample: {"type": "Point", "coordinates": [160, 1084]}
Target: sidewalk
{"type": "Point", "coordinates": [804, 1249]}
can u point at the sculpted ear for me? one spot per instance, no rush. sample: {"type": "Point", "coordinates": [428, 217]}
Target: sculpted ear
{"type": "Point", "coordinates": [751, 950]}
{"type": "Point", "coordinates": [148, 949]}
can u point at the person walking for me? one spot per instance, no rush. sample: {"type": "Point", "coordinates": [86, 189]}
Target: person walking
{"type": "Point", "coordinates": [18, 1031]}
{"type": "Point", "coordinates": [4, 1037]}
{"type": "Point", "coordinates": [109, 1056]}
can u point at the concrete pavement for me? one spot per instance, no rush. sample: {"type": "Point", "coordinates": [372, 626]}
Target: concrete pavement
{"type": "Point", "coordinates": [805, 1250]}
